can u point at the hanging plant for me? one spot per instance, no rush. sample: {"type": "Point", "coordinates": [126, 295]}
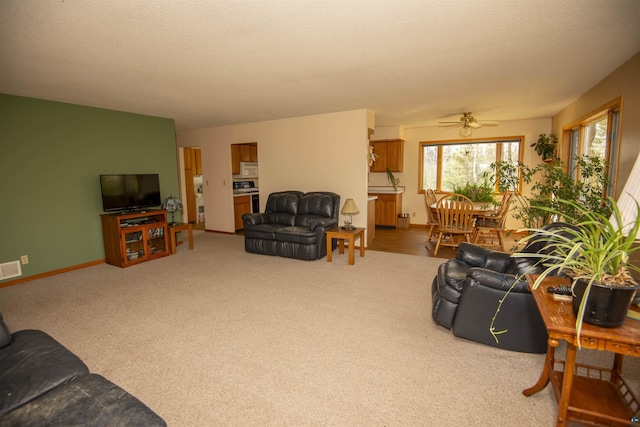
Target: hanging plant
{"type": "Point", "coordinates": [545, 146]}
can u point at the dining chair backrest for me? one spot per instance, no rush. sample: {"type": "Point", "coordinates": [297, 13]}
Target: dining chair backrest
{"type": "Point", "coordinates": [455, 213]}
{"type": "Point", "coordinates": [505, 204]}
{"type": "Point", "coordinates": [430, 199]}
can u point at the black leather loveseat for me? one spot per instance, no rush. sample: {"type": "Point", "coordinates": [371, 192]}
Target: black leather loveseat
{"type": "Point", "coordinates": [44, 384]}
{"type": "Point", "coordinates": [467, 289]}
{"type": "Point", "coordinates": [293, 225]}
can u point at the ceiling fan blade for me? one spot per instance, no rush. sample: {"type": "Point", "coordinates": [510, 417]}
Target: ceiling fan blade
{"type": "Point", "coordinates": [446, 124]}
{"type": "Point", "coordinates": [489, 122]}
{"type": "Point", "coordinates": [474, 125]}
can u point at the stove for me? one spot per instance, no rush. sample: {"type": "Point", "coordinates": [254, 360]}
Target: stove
{"type": "Point", "coordinates": [244, 187]}
{"type": "Point", "coordinates": [245, 190]}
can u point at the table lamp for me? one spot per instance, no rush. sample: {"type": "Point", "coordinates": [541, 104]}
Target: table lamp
{"type": "Point", "coordinates": [172, 204]}
{"type": "Point", "coordinates": [348, 210]}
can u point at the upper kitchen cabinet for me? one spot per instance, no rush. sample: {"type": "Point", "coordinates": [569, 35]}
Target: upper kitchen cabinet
{"type": "Point", "coordinates": [242, 153]}
{"type": "Point", "coordinates": [193, 160]}
{"type": "Point", "coordinates": [389, 154]}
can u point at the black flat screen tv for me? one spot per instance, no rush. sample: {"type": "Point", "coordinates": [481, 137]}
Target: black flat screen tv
{"type": "Point", "coordinates": [130, 192]}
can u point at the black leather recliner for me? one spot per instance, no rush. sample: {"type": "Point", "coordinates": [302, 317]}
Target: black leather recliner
{"type": "Point", "coordinates": [293, 225]}
{"type": "Point", "coordinates": [468, 288]}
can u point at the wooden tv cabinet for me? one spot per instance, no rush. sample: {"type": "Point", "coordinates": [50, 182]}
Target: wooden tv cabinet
{"type": "Point", "coordinates": [135, 237]}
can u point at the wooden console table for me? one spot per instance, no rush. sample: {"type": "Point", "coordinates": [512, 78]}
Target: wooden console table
{"type": "Point", "coordinates": [343, 234]}
{"type": "Point", "coordinates": [586, 394]}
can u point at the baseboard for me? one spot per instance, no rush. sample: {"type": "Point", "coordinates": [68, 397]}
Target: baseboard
{"type": "Point", "coordinates": [51, 273]}
{"type": "Point", "coordinates": [219, 232]}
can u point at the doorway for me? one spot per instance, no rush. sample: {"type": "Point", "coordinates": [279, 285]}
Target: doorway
{"type": "Point", "coordinates": [194, 197]}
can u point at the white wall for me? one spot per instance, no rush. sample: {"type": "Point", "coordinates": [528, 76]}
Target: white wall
{"type": "Point", "coordinates": [412, 200]}
{"type": "Point", "coordinates": [326, 152]}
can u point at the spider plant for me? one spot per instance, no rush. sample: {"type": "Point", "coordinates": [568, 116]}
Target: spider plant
{"type": "Point", "coordinates": [594, 250]}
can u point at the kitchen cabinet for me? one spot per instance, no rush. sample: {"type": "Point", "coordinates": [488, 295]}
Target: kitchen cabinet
{"type": "Point", "coordinates": [388, 206]}
{"type": "Point", "coordinates": [371, 220]}
{"type": "Point", "coordinates": [243, 153]}
{"type": "Point", "coordinates": [235, 159]}
{"type": "Point", "coordinates": [241, 206]}
{"type": "Point", "coordinates": [390, 154]}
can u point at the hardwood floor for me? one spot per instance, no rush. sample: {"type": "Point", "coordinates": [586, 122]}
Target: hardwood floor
{"type": "Point", "coordinates": [411, 241]}
{"type": "Point", "coordinates": [408, 241]}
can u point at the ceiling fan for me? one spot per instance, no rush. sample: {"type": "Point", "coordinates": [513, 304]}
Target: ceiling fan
{"type": "Point", "coordinates": [467, 122]}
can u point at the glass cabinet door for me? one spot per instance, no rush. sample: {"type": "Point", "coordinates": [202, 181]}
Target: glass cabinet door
{"type": "Point", "coordinates": [134, 245]}
{"type": "Point", "coordinates": [156, 240]}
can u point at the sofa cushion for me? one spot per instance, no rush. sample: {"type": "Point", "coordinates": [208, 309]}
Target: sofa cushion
{"type": "Point", "coordinates": [282, 207]}
{"type": "Point", "coordinates": [297, 234]}
{"type": "Point", "coordinates": [33, 364]}
{"type": "Point", "coordinates": [5, 336]}
{"type": "Point", "coordinates": [88, 400]}
{"type": "Point", "coordinates": [263, 231]}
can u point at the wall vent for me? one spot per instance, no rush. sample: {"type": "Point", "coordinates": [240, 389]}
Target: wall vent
{"type": "Point", "coordinates": [10, 269]}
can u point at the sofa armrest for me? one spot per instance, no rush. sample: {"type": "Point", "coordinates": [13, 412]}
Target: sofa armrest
{"type": "Point", "coordinates": [255, 218]}
{"type": "Point", "coordinates": [325, 223]}
{"type": "Point", "coordinates": [496, 280]}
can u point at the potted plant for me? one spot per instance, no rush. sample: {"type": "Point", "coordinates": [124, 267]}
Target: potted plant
{"type": "Point", "coordinates": [594, 252]}
{"type": "Point", "coordinates": [482, 192]}
{"type": "Point", "coordinates": [552, 182]}
{"type": "Point", "coordinates": [545, 146]}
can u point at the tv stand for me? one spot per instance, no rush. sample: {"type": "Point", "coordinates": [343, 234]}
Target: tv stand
{"type": "Point", "coordinates": [134, 237]}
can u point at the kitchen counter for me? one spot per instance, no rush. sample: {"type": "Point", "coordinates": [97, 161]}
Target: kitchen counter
{"type": "Point", "coordinates": [385, 190]}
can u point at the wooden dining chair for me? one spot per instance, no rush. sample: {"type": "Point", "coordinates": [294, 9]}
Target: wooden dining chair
{"type": "Point", "coordinates": [490, 226]}
{"type": "Point", "coordinates": [430, 200]}
{"type": "Point", "coordinates": [455, 219]}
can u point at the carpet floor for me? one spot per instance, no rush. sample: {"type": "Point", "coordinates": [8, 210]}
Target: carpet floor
{"type": "Point", "coordinates": [219, 337]}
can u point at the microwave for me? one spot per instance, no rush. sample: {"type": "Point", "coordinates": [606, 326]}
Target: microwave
{"type": "Point", "coordinates": [248, 170]}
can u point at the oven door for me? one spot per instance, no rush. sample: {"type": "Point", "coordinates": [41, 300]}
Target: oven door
{"type": "Point", "coordinates": [255, 203]}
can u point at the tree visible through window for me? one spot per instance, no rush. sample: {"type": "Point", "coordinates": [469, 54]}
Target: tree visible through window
{"type": "Point", "coordinates": [450, 164]}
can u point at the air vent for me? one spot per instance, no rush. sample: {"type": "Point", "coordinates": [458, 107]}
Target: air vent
{"type": "Point", "coordinates": [10, 269]}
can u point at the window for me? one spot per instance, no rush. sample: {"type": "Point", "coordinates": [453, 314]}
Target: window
{"type": "Point", "coordinates": [447, 164]}
{"type": "Point", "coordinates": [597, 136]}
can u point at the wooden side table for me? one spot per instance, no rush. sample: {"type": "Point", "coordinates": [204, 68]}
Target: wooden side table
{"type": "Point", "coordinates": [586, 394]}
{"type": "Point", "coordinates": [349, 235]}
{"type": "Point", "coordinates": [175, 229]}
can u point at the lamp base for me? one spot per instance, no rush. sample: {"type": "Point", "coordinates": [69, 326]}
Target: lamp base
{"type": "Point", "coordinates": [348, 227]}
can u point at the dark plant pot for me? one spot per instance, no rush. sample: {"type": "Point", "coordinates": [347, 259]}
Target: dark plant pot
{"type": "Point", "coordinates": [606, 306]}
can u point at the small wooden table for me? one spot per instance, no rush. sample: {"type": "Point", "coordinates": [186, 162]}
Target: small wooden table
{"type": "Point", "coordinates": [343, 234]}
{"type": "Point", "coordinates": [174, 229]}
{"type": "Point", "coordinates": [586, 394]}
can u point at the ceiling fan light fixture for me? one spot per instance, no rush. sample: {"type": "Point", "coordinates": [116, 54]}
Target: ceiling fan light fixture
{"type": "Point", "coordinates": [465, 131]}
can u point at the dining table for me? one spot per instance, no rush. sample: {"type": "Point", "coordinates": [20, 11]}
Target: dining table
{"type": "Point", "coordinates": [479, 208]}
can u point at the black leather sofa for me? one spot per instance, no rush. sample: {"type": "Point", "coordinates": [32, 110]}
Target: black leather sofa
{"type": "Point", "coordinates": [44, 384]}
{"type": "Point", "coordinates": [467, 289]}
{"type": "Point", "coordinates": [293, 225]}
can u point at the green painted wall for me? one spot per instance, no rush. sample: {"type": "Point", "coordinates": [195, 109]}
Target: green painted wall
{"type": "Point", "coordinates": [50, 158]}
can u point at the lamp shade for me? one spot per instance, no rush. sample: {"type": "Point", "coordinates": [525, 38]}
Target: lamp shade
{"type": "Point", "coordinates": [172, 204]}
{"type": "Point", "coordinates": [349, 207]}
{"type": "Point", "coordinates": [628, 197]}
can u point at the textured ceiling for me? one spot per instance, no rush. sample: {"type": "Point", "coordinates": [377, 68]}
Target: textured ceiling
{"type": "Point", "coordinates": [212, 63]}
